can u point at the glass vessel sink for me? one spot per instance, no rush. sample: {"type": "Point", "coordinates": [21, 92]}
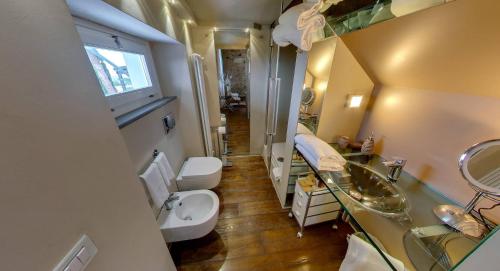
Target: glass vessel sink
{"type": "Point", "coordinates": [371, 190]}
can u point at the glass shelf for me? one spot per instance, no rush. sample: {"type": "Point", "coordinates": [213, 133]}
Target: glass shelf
{"type": "Point", "coordinates": [416, 237]}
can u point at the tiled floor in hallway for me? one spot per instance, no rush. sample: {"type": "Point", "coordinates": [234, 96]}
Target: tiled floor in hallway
{"type": "Point", "coordinates": [255, 233]}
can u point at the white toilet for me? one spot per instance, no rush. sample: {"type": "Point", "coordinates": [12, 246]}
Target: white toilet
{"type": "Point", "coordinates": [184, 215]}
{"type": "Point", "coordinates": [196, 173]}
{"type": "Point", "coordinates": [199, 173]}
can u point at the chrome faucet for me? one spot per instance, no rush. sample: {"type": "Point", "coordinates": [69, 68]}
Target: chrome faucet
{"type": "Point", "coordinates": [169, 203]}
{"type": "Point", "coordinates": [395, 167]}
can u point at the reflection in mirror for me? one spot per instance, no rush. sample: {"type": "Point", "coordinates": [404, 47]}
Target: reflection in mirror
{"type": "Point", "coordinates": [480, 167]}
{"type": "Point", "coordinates": [351, 15]}
{"type": "Point", "coordinates": [315, 84]}
{"type": "Point", "coordinates": [485, 164]}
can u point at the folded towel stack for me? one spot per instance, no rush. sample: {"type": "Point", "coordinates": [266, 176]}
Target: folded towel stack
{"type": "Point", "coordinates": [321, 155]}
{"type": "Point", "coordinates": [301, 25]}
{"type": "Point", "coordinates": [302, 129]}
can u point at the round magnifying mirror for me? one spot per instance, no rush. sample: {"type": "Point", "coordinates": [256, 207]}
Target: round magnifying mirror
{"type": "Point", "coordinates": [307, 96]}
{"type": "Point", "coordinates": [480, 166]}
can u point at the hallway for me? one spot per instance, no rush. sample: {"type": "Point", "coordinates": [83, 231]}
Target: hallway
{"type": "Point", "coordinates": [255, 233]}
{"type": "Point", "coordinates": [238, 126]}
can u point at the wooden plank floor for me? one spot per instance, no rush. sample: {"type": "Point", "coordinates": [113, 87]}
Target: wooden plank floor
{"type": "Point", "coordinates": [255, 233]}
{"type": "Point", "coordinates": [238, 126]}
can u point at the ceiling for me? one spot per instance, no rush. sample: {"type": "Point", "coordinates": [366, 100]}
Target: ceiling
{"type": "Point", "coordinates": [452, 47]}
{"type": "Point", "coordinates": [217, 11]}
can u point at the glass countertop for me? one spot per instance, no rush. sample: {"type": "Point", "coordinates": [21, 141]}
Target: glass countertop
{"type": "Point", "coordinates": [416, 237]}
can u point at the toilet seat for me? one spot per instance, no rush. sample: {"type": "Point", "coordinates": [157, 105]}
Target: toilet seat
{"type": "Point", "coordinates": [199, 173]}
{"type": "Point", "coordinates": [199, 166]}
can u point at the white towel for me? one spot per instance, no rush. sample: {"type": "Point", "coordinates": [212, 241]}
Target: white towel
{"type": "Point", "coordinates": [327, 4]}
{"type": "Point", "coordinates": [165, 169]}
{"type": "Point", "coordinates": [291, 16]}
{"type": "Point", "coordinates": [314, 162]}
{"type": "Point", "coordinates": [361, 256]}
{"type": "Point", "coordinates": [302, 129]}
{"type": "Point", "coordinates": [283, 35]}
{"type": "Point", "coordinates": [312, 31]}
{"type": "Point", "coordinates": [155, 184]}
{"type": "Point", "coordinates": [305, 16]}
{"type": "Point", "coordinates": [322, 155]}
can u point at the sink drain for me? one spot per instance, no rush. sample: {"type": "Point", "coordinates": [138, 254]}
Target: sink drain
{"type": "Point", "coordinates": [188, 218]}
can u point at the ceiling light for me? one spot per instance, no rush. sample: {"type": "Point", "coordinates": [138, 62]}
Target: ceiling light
{"type": "Point", "coordinates": [354, 101]}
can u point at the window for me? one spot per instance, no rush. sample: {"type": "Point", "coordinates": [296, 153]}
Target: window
{"type": "Point", "coordinates": [123, 65]}
{"type": "Point", "coordinates": [118, 71]}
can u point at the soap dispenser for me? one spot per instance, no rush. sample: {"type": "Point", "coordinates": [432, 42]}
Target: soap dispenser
{"type": "Point", "coordinates": [368, 146]}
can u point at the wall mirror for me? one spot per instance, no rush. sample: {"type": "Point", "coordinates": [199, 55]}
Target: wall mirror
{"type": "Point", "coordinates": [350, 15]}
{"type": "Point", "coordinates": [341, 93]}
{"type": "Point", "coordinates": [318, 69]}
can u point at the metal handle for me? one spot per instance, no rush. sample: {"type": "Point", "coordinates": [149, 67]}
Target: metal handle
{"type": "Point", "coordinates": [270, 106]}
{"type": "Point", "coordinates": [276, 105]}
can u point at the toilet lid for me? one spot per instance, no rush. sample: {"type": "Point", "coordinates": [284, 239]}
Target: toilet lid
{"type": "Point", "coordinates": [198, 166]}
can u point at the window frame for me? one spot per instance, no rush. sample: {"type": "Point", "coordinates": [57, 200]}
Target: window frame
{"type": "Point", "coordinates": [102, 37]}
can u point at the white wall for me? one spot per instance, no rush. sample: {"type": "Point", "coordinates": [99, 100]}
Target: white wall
{"type": "Point", "coordinates": [175, 79]}
{"type": "Point", "coordinates": [158, 14]}
{"type": "Point", "coordinates": [65, 168]}
{"type": "Point", "coordinates": [432, 129]}
{"type": "Point", "coordinates": [259, 73]}
{"type": "Point", "coordinates": [204, 45]}
{"type": "Point", "coordinates": [144, 136]}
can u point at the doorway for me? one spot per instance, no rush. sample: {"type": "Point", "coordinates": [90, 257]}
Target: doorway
{"type": "Point", "coordinates": [233, 66]}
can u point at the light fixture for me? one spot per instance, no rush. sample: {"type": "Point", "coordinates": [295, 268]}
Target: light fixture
{"type": "Point", "coordinates": [322, 86]}
{"type": "Point", "coordinates": [215, 29]}
{"type": "Point", "coordinates": [247, 29]}
{"type": "Point", "coordinates": [189, 21]}
{"type": "Point", "coordinates": [354, 101]}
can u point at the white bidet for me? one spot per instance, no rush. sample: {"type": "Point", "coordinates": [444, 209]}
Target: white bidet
{"type": "Point", "coordinates": [192, 216]}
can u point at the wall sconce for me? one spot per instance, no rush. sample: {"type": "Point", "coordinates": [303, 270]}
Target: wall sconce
{"type": "Point", "coordinates": [322, 86]}
{"type": "Point", "coordinates": [354, 101]}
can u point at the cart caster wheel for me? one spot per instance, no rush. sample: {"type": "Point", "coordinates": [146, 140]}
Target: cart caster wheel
{"type": "Point", "coordinates": [299, 235]}
{"type": "Point", "coordinates": [290, 215]}
{"type": "Point", "coordinates": [335, 227]}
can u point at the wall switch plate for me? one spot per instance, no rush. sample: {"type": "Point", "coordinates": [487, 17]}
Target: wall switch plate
{"type": "Point", "coordinates": [79, 256]}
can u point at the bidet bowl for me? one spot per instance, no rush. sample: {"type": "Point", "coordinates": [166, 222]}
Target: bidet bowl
{"type": "Point", "coordinates": [193, 215]}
